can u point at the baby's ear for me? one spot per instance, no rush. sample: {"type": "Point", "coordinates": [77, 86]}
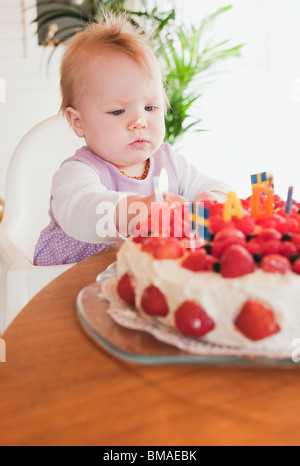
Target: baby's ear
{"type": "Point", "coordinates": [74, 118]}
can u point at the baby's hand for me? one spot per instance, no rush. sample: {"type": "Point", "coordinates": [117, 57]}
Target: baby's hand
{"type": "Point", "coordinates": [211, 196]}
{"type": "Point", "coordinates": [134, 209]}
{"type": "Point", "coordinates": [170, 198]}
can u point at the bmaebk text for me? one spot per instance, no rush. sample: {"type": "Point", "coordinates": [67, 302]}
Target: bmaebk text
{"type": "Point", "coordinates": [152, 455]}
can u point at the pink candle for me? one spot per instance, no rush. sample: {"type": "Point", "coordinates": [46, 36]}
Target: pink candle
{"type": "Point", "coordinates": [289, 201]}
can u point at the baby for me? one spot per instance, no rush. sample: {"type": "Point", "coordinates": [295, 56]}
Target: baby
{"type": "Point", "coordinates": [113, 97]}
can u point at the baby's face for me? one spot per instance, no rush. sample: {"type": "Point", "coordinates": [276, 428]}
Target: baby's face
{"type": "Point", "coordinates": [121, 109]}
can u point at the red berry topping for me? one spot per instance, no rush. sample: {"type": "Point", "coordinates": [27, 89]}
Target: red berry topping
{"type": "Point", "coordinates": [125, 289]}
{"type": "Point", "coordinates": [142, 231]}
{"type": "Point", "coordinates": [296, 240]}
{"type": "Point", "coordinates": [154, 303]}
{"type": "Point", "coordinates": [196, 261]}
{"type": "Point", "coordinates": [229, 233]}
{"type": "Point", "coordinates": [253, 246]}
{"type": "Point", "coordinates": [274, 263]}
{"type": "Point", "coordinates": [256, 321]}
{"type": "Point", "coordinates": [290, 225]}
{"type": "Point", "coordinates": [246, 203]}
{"type": "Point", "coordinates": [246, 225]}
{"type": "Point", "coordinates": [296, 266]}
{"type": "Point", "coordinates": [219, 247]}
{"type": "Point", "coordinates": [192, 320]}
{"type": "Point", "coordinates": [163, 248]}
{"type": "Point", "coordinates": [295, 209]}
{"type": "Point", "coordinates": [281, 211]}
{"type": "Point", "coordinates": [217, 209]}
{"type": "Point", "coordinates": [236, 261]}
{"type": "Point", "coordinates": [179, 223]}
{"type": "Point", "coordinates": [271, 221]}
{"type": "Point", "coordinates": [269, 234]}
{"type": "Point", "coordinates": [138, 239]}
{"type": "Point", "coordinates": [288, 249]}
{"type": "Point", "coordinates": [271, 247]}
{"type": "Point", "coordinates": [278, 202]}
{"type": "Point", "coordinates": [217, 223]}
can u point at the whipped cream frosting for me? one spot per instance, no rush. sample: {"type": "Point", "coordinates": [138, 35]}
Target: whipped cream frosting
{"type": "Point", "coordinates": [221, 298]}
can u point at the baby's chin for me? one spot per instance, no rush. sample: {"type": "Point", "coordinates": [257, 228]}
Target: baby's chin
{"type": "Point", "coordinates": [136, 156]}
{"type": "Point", "coordinates": [132, 155]}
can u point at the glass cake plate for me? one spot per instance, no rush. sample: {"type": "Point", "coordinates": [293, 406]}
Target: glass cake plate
{"type": "Point", "coordinates": [118, 329]}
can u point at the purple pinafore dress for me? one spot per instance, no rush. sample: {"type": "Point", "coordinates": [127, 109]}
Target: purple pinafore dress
{"type": "Point", "coordinates": [55, 247]}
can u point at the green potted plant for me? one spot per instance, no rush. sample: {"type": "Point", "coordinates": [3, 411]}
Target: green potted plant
{"type": "Point", "coordinates": [186, 53]}
{"type": "Point", "coordinates": [78, 16]}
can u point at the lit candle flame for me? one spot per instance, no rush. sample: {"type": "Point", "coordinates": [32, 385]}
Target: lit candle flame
{"type": "Point", "coordinates": [163, 181]}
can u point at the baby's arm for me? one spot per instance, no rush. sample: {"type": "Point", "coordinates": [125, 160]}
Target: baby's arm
{"type": "Point", "coordinates": [80, 203]}
{"type": "Point", "coordinates": [196, 186]}
{"type": "Point", "coordinates": [83, 207]}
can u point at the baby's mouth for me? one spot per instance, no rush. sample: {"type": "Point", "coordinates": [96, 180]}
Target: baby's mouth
{"type": "Point", "coordinates": [139, 143]}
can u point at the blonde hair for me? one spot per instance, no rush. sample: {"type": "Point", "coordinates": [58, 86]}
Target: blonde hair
{"type": "Point", "coordinates": [114, 32]}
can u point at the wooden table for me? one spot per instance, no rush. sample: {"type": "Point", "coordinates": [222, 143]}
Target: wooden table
{"type": "Point", "coordinates": [58, 388]}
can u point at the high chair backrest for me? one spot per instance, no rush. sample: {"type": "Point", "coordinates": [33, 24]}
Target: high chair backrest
{"type": "Point", "coordinates": [29, 178]}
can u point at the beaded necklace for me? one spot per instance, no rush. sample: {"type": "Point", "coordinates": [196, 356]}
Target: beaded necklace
{"type": "Point", "coordinates": [144, 175]}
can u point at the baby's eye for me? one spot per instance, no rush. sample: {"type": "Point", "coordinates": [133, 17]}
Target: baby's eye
{"type": "Point", "coordinates": [117, 112]}
{"type": "Point", "coordinates": [149, 108]}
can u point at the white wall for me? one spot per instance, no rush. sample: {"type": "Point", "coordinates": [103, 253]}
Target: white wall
{"type": "Point", "coordinates": [32, 92]}
{"type": "Point", "coordinates": [252, 110]}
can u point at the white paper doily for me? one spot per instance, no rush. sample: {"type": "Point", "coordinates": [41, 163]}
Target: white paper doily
{"type": "Point", "coordinates": [127, 317]}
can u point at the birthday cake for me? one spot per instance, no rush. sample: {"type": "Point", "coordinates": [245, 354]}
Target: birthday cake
{"type": "Point", "coordinates": [240, 287]}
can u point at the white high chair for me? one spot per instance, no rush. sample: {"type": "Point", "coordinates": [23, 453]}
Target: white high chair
{"type": "Point", "coordinates": [28, 184]}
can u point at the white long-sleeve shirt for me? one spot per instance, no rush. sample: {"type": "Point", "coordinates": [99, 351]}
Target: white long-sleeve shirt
{"type": "Point", "coordinates": [77, 193]}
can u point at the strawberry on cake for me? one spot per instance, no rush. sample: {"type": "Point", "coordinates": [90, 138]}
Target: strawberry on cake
{"type": "Point", "coordinates": [240, 289]}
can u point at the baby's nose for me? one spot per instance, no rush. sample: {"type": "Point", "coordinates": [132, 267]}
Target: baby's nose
{"type": "Point", "coordinates": [138, 124]}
